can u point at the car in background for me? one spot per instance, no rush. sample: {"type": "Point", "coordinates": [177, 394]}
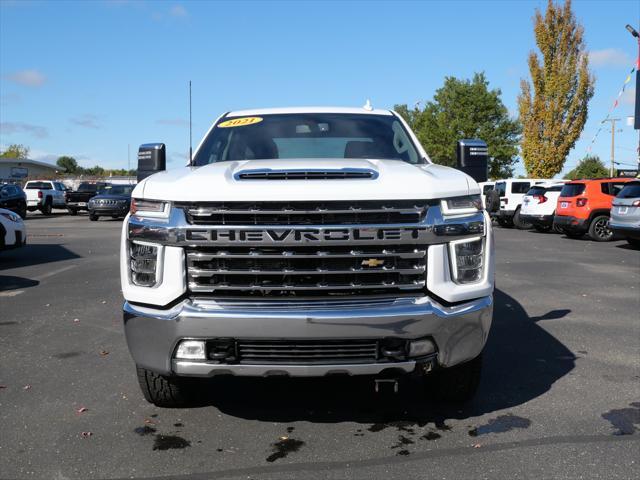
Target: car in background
{"type": "Point", "coordinates": [539, 205]}
{"type": "Point", "coordinates": [13, 198]}
{"type": "Point", "coordinates": [112, 201]}
{"type": "Point", "coordinates": [485, 187]}
{"type": "Point", "coordinates": [44, 195]}
{"type": "Point", "coordinates": [584, 206]}
{"type": "Point", "coordinates": [512, 191]}
{"type": "Point", "coordinates": [79, 199]}
{"type": "Point", "coordinates": [13, 233]}
{"type": "Point", "coordinates": [625, 213]}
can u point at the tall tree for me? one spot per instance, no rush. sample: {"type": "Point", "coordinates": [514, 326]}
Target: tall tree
{"type": "Point", "coordinates": [589, 167]}
{"type": "Point", "coordinates": [16, 151]}
{"type": "Point", "coordinates": [69, 164]}
{"type": "Point", "coordinates": [466, 109]}
{"type": "Point", "coordinates": [553, 107]}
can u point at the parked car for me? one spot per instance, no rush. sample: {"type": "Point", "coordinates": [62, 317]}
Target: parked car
{"type": "Point", "coordinates": [13, 233]}
{"type": "Point", "coordinates": [79, 199]}
{"type": "Point", "coordinates": [44, 195]}
{"type": "Point", "coordinates": [485, 187]}
{"type": "Point", "coordinates": [112, 201]}
{"type": "Point", "coordinates": [625, 213]}
{"type": "Point", "coordinates": [584, 207]}
{"type": "Point", "coordinates": [13, 198]}
{"type": "Point", "coordinates": [539, 205]}
{"type": "Point", "coordinates": [512, 191]}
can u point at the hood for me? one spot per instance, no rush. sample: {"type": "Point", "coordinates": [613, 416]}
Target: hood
{"type": "Point", "coordinates": [393, 179]}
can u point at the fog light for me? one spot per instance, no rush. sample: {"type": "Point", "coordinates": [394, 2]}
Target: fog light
{"type": "Point", "coordinates": [467, 259]}
{"type": "Point", "coordinates": [191, 350]}
{"type": "Point", "coordinates": [420, 348]}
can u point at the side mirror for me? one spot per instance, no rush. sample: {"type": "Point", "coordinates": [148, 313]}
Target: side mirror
{"type": "Point", "coordinates": [473, 158]}
{"type": "Point", "coordinates": [152, 158]}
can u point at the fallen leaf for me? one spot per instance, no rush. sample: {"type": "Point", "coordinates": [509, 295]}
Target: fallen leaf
{"type": "Point", "coordinates": [104, 301]}
{"type": "Point", "coordinates": [82, 410]}
{"type": "Point", "coordinates": [86, 434]}
{"type": "Point", "coordinates": [47, 304]}
{"type": "Point", "coordinates": [148, 421]}
{"type": "Point", "coordinates": [104, 353]}
{"type": "Point", "coordinates": [26, 387]}
{"type": "Point", "coordinates": [76, 320]}
{"type": "Point", "coordinates": [477, 445]}
{"type": "Point", "coordinates": [284, 438]}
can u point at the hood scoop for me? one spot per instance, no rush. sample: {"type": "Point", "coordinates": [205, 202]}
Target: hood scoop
{"type": "Point", "coordinates": [307, 174]}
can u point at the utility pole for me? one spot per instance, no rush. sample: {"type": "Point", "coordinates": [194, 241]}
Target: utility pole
{"type": "Point", "coordinates": [613, 141]}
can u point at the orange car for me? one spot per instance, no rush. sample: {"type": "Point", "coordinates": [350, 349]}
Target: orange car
{"type": "Point", "coordinates": [584, 206]}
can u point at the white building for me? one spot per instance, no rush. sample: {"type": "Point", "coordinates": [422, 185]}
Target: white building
{"type": "Point", "coordinates": [17, 169]}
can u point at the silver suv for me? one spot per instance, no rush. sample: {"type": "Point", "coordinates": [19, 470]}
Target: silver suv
{"type": "Point", "coordinates": [625, 213]}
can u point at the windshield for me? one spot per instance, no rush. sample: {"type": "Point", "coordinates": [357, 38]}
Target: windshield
{"type": "Point", "coordinates": [630, 190]}
{"type": "Point", "coordinates": [87, 187]}
{"type": "Point", "coordinates": [572, 189]}
{"type": "Point", "coordinates": [116, 190]}
{"type": "Point", "coordinates": [38, 186]}
{"type": "Point", "coordinates": [312, 135]}
{"type": "Point", "coordinates": [537, 191]}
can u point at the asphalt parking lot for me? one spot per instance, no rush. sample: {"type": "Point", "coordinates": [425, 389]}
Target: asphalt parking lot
{"type": "Point", "coordinates": [560, 396]}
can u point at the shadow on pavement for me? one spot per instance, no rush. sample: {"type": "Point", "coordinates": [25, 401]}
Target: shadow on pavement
{"type": "Point", "coordinates": [521, 362]}
{"type": "Point", "coordinates": [35, 255]}
{"type": "Point", "coordinates": [8, 282]}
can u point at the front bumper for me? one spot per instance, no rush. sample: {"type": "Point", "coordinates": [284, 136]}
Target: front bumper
{"type": "Point", "coordinates": [569, 223]}
{"type": "Point", "coordinates": [120, 211]}
{"type": "Point", "coordinates": [459, 332]}
{"type": "Point", "coordinates": [77, 205]}
{"type": "Point", "coordinates": [540, 220]}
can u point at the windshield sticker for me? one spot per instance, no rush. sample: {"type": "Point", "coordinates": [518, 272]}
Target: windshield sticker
{"type": "Point", "coordinates": [240, 122]}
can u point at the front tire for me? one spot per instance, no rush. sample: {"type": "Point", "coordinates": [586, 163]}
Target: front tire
{"type": "Point", "coordinates": [458, 384]}
{"type": "Point", "coordinates": [542, 228]}
{"type": "Point", "coordinates": [505, 222]}
{"type": "Point", "coordinates": [72, 211]}
{"type": "Point", "coordinates": [162, 391]}
{"type": "Point", "coordinates": [599, 229]}
{"type": "Point", "coordinates": [93, 217]}
{"type": "Point", "coordinates": [46, 208]}
{"type": "Point", "coordinates": [23, 212]}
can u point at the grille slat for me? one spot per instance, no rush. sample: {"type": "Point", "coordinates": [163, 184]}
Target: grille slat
{"type": "Point", "coordinates": [197, 272]}
{"type": "Point", "coordinates": [308, 351]}
{"type": "Point", "coordinates": [336, 174]}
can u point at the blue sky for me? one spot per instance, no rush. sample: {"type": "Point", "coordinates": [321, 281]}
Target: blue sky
{"type": "Point", "coordinates": [89, 78]}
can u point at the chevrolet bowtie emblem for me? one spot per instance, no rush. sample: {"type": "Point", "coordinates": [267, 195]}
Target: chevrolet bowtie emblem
{"type": "Point", "coordinates": [372, 262]}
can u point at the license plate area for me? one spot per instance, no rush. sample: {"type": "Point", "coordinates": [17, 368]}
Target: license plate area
{"type": "Point", "coordinates": [564, 204]}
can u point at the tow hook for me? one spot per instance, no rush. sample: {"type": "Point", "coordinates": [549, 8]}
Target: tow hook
{"type": "Point", "coordinates": [391, 381]}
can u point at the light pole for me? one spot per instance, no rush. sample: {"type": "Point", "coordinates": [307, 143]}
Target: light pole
{"type": "Point", "coordinates": [636, 123]}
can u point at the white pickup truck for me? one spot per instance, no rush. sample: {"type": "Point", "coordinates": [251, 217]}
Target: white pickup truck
{"type": "Point", "coordinates": [307, 242]}
{"type": "Point", "coordinates": [44, 195]}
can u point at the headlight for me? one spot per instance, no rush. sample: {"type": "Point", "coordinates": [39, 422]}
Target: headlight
{"type": "Point", "coordinates": [461, 205]}
{"type": "Point", "coordinates": [467, 259]}
{"type": "Point", "coordinates": [149, 208]}
{"type": "Point", "coordinates": [11, 216]}
{"type": "Point", "coordinates": [143, 264]}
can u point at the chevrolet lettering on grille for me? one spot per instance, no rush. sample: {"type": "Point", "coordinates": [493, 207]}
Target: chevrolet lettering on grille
{"type": "Point", "coordinates": [296, 236]}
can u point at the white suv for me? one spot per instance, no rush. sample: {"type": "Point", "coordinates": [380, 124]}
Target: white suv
{"type": "Point", "coordinates": [539, 205]}
{"type": "Point", "coordinates": [512, 191]}
{"type": "Point", "coordinates": [12, 231]}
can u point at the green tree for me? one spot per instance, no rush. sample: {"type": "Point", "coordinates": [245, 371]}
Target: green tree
{"type": "Point", "coordinates": [553, 107]}
{"type": "Point", "coordinates": [466, 109]}
{"type": "Point", "coordinates": [97, 170]}
{"type": "Point", "coordinates": [589, 167]}
{"type": "Point", "coordinates": [16, 151]}
{"type": "Point", "coordinates": [69, 164]}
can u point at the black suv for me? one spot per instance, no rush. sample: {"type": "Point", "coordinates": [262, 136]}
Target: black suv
{"type": "Point", "coordinates": [13, 198]}
{"type": "Point", "coordinates": [112, 201]}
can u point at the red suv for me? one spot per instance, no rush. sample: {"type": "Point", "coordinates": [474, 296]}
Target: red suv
{"type": "Point", "coordinates": [584, 206]}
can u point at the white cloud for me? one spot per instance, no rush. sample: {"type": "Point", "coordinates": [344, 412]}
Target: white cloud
{"type": "Point", "coordinates": [9, 128]}
{"type": "Point", "coordinates": [27, 78]}
{"type": "Point", "coordinates": [178, 11]}
{"type": "Point", "coordinates": [610, 57]}
{"type": "Point", "coordinates": [87, 121]}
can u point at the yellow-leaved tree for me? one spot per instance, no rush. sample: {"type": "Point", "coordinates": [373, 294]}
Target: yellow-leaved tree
{"type": "Point", "coordinates": [553, 107]}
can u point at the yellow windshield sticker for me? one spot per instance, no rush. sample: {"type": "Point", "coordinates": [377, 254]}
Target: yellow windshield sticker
{"type": "Point", "coordinates": [240, 122]}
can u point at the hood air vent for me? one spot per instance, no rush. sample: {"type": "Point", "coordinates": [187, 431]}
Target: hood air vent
{"type": "Point", "coordinates": [307, 174]}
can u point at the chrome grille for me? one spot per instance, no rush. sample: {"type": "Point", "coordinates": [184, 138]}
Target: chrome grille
{"type": "Point", "coordinates": [325, 270]}
{"type": "Point", "coordinates": [374, 212]}
{"type": "Point", "coordinates": [301, 351]}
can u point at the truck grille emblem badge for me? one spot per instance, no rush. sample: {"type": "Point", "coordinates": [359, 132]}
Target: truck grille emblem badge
{"type": "Point", "coordinates": [372, 262]}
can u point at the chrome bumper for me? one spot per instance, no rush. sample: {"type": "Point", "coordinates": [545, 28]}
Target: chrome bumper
{"type": "Point", "coordinates": [459, 331]}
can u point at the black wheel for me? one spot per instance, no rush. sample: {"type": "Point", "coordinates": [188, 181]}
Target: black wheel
{"type": "Point", "coordinates": [93, 217]}
{"type": "Point", "coordinates": [505, 222]}
{"type": "Point", "coordinates": [72, 211]}
{"type": "Point", "coordinates": [168, 392]}
{"type": "Point", "coordinates": [23, 211]}
{"type": "Point", "coordinates": [46, 208]}
{"type": "Point", "coordinates": [599, 229]}
{"type": "Point", "coordinates": [542, 228]}
{"type": "Point", "coordinates": [457, 384]}
{"type": "Point", "coordinates": [519, 223]}
{"type": "Point", "coordinates": [634, 242]}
